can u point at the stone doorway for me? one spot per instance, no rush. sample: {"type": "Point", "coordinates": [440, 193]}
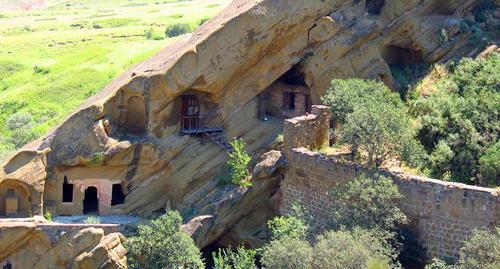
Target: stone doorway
{"type": "Point", "coordinates": [91, 201]}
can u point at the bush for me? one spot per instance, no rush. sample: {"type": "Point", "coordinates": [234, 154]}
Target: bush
{"type": "Point", "coordinates": [92, 220]}
{"type": "Point", "coordinates": [350, 249]}
{"type": "Point", "coordinates": [368, 202]}
{"type": "Point", "coordinates": [236, 170]}
{"type": "Point", "coordinates": [20, 120]}
{"type": "Point", "coordinates": [22, 136]}
{"type": "Point", "coordinates": [287, 253]}
{"type": "Point", "coordinates": [490, 166]}
{"type": "Point", "coordinates": [41, 70]}
{"type": "Point", "coordinates": [163, 244]}
{"type": "Point", "coordinates": [288, 226]}
{"type": "Point", "coordinates": [459, 121]}
{"type": "Point", "coordinates": [177, 29]}
{"type": "Point", "coordinates": [240, 259]}
{"type": "Point", "coordinates": [481, 250]}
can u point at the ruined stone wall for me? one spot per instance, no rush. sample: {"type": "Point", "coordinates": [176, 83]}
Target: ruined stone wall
{"type": "Point", "coordinates": [442, 213]}
{"type": "Point", "coordinates": [310, 131]}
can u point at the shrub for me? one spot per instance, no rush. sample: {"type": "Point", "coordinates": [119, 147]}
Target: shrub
{"type": "Point", "coordinates": [177, 29]}
{"type": "Point", "coordinates": [163, 244]}
{"type": "Point", "coordinates": [238, 163]}
{"type": "Point", "coordinates": [288, 226]}
{"type": "Point", "coordinates": [41, 70]}
{"type": "Point", "coordinates": [240, 259]}
{"type": "Point", "coordinates": [349, 249]}
{"type": "Point", "coordinates": [438, 264]}
{"type": "Point", "coordinates": [48, 215]}
{"type": "Point", "coordinates": [287, 253]}
{"type": "Point", "coordinates": [368, 202]}
{"type": "Point", "coordinates": [459, 121]}
{"type": "Point", "coordinates": [22, 136]}
{"type": "Point", "coordinates": [481, 250]}
{"type": "Point", "coordinates": [92, 220]}
{"type": "Point", "coordinates": [490, 166]}
{"type": "Point", "coordinates": [20, 120]}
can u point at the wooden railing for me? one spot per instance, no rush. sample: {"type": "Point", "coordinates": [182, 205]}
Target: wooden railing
{"type": "Point", "coordinates": [191, 123]}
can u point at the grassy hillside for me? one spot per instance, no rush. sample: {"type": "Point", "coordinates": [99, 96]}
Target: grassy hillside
{"type": "Point", "coordinates": [53, 59]}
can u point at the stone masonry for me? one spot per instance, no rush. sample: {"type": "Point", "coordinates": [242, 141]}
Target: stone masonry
{"type": "Point", "coordinates": [443, 214]}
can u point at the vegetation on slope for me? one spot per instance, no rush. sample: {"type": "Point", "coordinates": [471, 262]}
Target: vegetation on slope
{"type": "Point", "coordinates": [448, 127]}
{"type": "Point", "coordinates": [53, 59]}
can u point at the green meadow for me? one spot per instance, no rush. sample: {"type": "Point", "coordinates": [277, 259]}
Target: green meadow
{"type": "Point", "coordinates": [53, 59]}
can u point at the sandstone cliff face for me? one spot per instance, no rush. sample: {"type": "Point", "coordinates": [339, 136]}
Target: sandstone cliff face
{"type": "Point", "coordinates": [129, 133]}
{"type": "Point", "coordinates": [24, 245]}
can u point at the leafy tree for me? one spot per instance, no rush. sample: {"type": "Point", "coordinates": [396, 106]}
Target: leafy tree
{"type": "Point", "coordinates": [163, 244]}
{"type": "Point", "coordinates": [368, 202]}
{"type": "Point", "coordinates": [345, 96]}
{"type": "Point", "coordinates": [354, 249]}
{"type": "Point", "coordinates": [375, 121]}
{"type": "Point", "coordinates": [382, 132]}
{"type": "Point", "coordinates": [177, 29]}
{"type": "Point", "coordinates": [288, 226]}
{"type": "Point", "coordinates": [240, 259]}
{"type": "Point", "coordinates": [490, 166]}
{"type": "Point", "coordinates": [287, 253]}
{"type": "Point", "coordinates": [460, 121]}
{"type": "Point", "coordinates": [481, 250]}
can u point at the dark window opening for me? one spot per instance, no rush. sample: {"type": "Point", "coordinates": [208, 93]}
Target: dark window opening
{"type": "Point", "coordinates": [190, 112]}
{"type": "Point", "coordinates": [374, 7]}
{"type": "Point", "coordinates": [307, 103]}
{"type": "Point", "coordinates": [7, 266]}
{"type": "Point", "coordinates": [294, 76]}
{"type": "Point", "coordinates": [67, 191]}
{"type": "Point", "coordinates": [91, 202]}
{"type": "Point", "coordinates": [117, 196]}
{"type": "Point", "coordinates": [289, 101]}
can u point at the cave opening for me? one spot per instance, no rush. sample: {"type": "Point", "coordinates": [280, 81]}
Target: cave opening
{"type": "Point", "coordinates": [91, 201]}
{"type": "Point", "coordinates": [294, 76]}
{"type": "Point", "coordinates": [117, 195]}
{"type": "Point", "coordinates": [374, 7]}
{"type": "Point", "coordinates": [407, 67]}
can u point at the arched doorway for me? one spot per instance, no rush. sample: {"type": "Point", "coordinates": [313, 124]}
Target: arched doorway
{"type": "Point", "coordinates": [91, 201]}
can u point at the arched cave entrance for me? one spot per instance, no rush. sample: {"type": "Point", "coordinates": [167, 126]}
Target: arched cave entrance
{"type": "Point", "coordinates": [15, 199]}
{"type": "Point", "coordinates": [406, 65]}
{"type": "Point", "coordinates": [91, 201]}
{"type": "Point", "coordinates": [135, 123]}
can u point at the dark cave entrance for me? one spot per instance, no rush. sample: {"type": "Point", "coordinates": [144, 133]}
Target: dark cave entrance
{"type": "Point", "coordinates": [117, 195]}
{"type": "Point", "coordinates": [67, 191]}
{"type": "Point", "coordinates": [91, 201]}
{"type": "Point", "coordinates": [406, 65]}
{"type": "Point", "coordinates": [294, 76]}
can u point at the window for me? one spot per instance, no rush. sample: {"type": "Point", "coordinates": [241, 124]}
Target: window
{"type": "Point", "coordinates": [117, 196]}
{"type": "Point", "coordinates": [67, 191]}
{"type": "Point", "coordinates": [289, 101]}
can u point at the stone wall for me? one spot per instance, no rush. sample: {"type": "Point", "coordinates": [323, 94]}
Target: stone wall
{"type": "Point", "coordinates": [442, 214]}
{"type": "Point", "coordinates": [310, 131]}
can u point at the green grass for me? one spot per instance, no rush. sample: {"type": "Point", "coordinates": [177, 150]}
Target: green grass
{"type": "Point", "coordinates": [53, 59]}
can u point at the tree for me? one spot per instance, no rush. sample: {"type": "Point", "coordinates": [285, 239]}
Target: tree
{"type": "Point", "coordinates": [382, 132]}
{"type": "Point", "coordinates": [294, 225]}
{"type": "Point", "coordinates": [375, 121]}
{"type": "Point", "coordinates": [459, 121]}
{"type": "Point", "coordinates": [288, 253]}
{"type": "Point", "coordinates": [481, 250]}
{"type": "Point", "coordinates": [354, 249]}
{"type": "Point", "coordinates": [240, 259]}
{"type": "Point", "coordinates": [163, 244]}
{"type": "Point", "coordinates": [368, 201]}
{"type": "Point", "coordinates": [238, 163]}
{"type": "Point", "coordinates": [490, 166]}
